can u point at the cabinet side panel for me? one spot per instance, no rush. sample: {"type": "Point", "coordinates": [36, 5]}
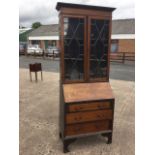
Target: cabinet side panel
{"type": "Point", "coordinates": [61, 48]}
{"type": "Point", "coordinates": [61, 112]}
{"type": "Point", "coordinates": [109, 48]}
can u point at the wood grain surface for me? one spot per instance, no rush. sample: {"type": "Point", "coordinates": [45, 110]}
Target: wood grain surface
{"type": "Point", "coordinates": [89, 116]}
{"type": "Point", "coordinates": [88, 106]}
{"type": "Point", "coordinates": [87, 92]}
{"type": "Point", "coordinates": [87, 127]}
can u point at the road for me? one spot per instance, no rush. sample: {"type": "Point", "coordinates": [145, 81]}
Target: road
{"type": "Point", "coordinates": [117, 70]}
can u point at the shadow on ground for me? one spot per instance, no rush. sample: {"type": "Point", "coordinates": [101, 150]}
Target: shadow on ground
{"type": "Point", "coordinates": [118, 71]}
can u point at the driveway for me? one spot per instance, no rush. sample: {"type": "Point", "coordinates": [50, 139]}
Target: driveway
{"type": "Point", "coordinates": [39, 114]}
{"type": "Point", "coordinates": [117, 71]}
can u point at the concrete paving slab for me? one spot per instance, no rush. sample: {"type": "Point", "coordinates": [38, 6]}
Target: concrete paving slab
{"type": "Point", "coordinates": [39, 112]}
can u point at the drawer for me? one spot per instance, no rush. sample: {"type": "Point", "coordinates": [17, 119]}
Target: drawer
{"type": "Point", "coordinates": [75, 129]}
{"type": "Point", "coordinates": [88, 116]}
{"type": "Point", "coordinates": [89, 106]}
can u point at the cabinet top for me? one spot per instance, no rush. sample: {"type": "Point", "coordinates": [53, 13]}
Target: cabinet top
{"type": "Point", "coordinates": [79, 6]}
{"type": "Point", "coordinates": [87, 92]}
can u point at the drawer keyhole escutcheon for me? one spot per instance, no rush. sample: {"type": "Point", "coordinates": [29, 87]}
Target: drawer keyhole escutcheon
{"type": "Point", "coordinates": [78, 108]}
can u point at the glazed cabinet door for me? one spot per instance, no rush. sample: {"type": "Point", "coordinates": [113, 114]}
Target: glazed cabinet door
{"type": "Point", "coordinates": [74, 41]}
{"type": "Point", "coordinates": [98, 48]}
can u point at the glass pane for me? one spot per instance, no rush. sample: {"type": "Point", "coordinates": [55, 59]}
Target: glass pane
{"type": "Point", "coordinates": [114, 47]}
{"type": "Point", "coordinates": [99, 38]}
{"type": "Point", "coordinates": [74, 48]}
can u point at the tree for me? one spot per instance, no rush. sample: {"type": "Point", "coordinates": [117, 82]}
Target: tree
{"type": "Point", "coordinates": [23, 36]}
{"type": "Point", "coordinates": [36, 25]}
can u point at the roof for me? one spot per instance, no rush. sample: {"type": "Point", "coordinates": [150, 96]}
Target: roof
{"type": "Point", "coordinates": [22, 30]}
{"type": "Point", "coordinates": [79, 6]}
{"type": "Point", "coordinates": [121, 26]}
{"type": "Point", "coordinates": [45, 30]}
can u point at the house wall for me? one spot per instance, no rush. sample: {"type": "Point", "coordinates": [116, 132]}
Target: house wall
{"type": "Point", "coordinates": [126, 45]}
{"type": "Point", "coordinates": [29, 41]}
{"type": "Point", "coordinates": [42, 44]}
{"type": "Point", "coordinates": [57, 43]}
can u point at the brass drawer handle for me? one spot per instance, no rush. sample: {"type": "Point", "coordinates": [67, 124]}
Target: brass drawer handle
{"type": "Point", "coordinates": [78, 118]}
{"type": "Point", "coordinates": [78, 108]}
{"type": "Point", "coordinates": [77, 129]}
{"type": "Point", "coordinates": [100, 106]}
{"type": "Point", "coordinates": [99, 116]}
{"type": "Point", "coordinates": [97, 126]}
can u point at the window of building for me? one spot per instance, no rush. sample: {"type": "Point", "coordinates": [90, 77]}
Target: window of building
{"type": "Point", "coordinates": [52, 43]}
{"type": "Point", "coordinates": [114, 46]}
{"type": "Point", "coordinates": [36, 42]}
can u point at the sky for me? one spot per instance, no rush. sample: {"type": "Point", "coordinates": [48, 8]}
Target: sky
{"type": "Point", "coordinates": [44, 11]}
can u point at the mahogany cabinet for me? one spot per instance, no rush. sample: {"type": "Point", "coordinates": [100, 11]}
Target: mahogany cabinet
{"type": "Point", "coordinates": [86, 99]}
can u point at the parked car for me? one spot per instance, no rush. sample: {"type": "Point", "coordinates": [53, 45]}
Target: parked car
{"type": "Point", "coordinates": [22, 48]}
{"type": "Point", "coordinates": [52, 51]}
{"type": "Point", "coordinates": [34, 49]}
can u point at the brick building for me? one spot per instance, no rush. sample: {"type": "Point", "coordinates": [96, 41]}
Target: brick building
{"type": "Point", "coordinates": [123, 36]}
{"type": "Point", "coordinates": [45, 35]}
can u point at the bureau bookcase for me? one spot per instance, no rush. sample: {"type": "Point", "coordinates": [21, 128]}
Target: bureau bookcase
{"type": "Point", "coordinates": [86, 98]}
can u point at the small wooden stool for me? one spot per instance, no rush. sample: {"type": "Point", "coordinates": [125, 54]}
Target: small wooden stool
{"type": "Point", "coordinates": [36, 67]}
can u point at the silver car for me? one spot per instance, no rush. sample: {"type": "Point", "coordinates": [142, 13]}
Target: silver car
{"type": "Point", "coordinates": [52, 51]}
{"type": "Point", "coordinates": [34, 49]}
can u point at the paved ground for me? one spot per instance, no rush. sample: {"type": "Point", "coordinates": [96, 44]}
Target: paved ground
{"type": "Point", "coordinates": [48, 64]}
{"type": "Point", "coordinates": [117, 70]}
{"type": "Point", "coordinates": [39, 103]}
